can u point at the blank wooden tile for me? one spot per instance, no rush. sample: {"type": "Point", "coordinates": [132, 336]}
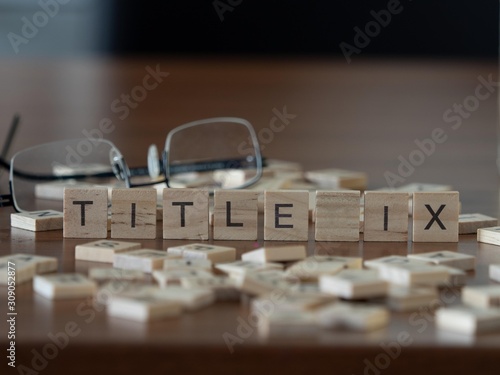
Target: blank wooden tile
{"type": "Point", "coordinates": [85, 213]}
{"type": "Point", "coordinates": [354, 284]}
{"type": "Point", "coordinates": [353, 317]}
{"type": "Point", "coordinates": [200, 263]}
{"type": "Point", "coordinates": [494, 272]}
{"type": "Point", "coordinates": [168, 277]}
{"type": "Point", "coordinates": [244, 266]}
{"type": "Point", "coordinates": [489, 235]}
{"type": "Point", "coordinates": [385, 216]}
{"type": "Point", "coordinates": [414, 274]}
{"type": "Point", "coordinates": [435, 216]}
{"type": "Point", "coordinates": [103, 250]}
{"type": "Point", "coordinates": [467, 320]}
{"type": "Point", "coordinates": [403, 298]}
{"type": "Point", "coordinates": [133, 213]}
{"type": "Point", "coordinates": [216, 254]}
{"type": "Point", "coordinates": [275, 254]}
{"type": "Point", "coordinates": [447, 258]}
{"type": "Point", "coordinates": [103, 274]}
{"type": "Point", "coordinates": [142, 307]}
{"type": "Point", "coordinates": [185, 214]}
{"type": "Point", "coordinates": [145, 260]}
{"type": "Point", "coordinates": [37, 221]}
{"type": "Point", "coordinates": [470, 223]}
{"type": "Point", "coordinates": [338, 178]}
{"type": "Point", "coordinates": [337, 216]}
{"type": "Point", "coordinates": [235, 215]}
{"type": "Point", "coordinates": [286, 215]}
{"type": "Point", "coordinates": [482, 296]}
{"type": "Point", "coordinates": [24, 271]}
{"type": "Point", "coordinates": [64, 286]}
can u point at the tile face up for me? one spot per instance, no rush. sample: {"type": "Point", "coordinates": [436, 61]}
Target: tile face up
{"type": "Point", "coordinates": [145, 260]}
{"type": "Point", "coordinates": [435, 216]}
{"type": "Point", "coordinates": [235, 215]}
{"type": "Point", "coordinates": [216, 254]}
{"type": "Point", "coordinates": [286, 215]}
{"type": "Point", "coordinates": [386, 216]}
{"type": "Point", "coordinates": [354, 284]}
{"type": "Point", "coordinates": [185, 214]}
{"type": "Point", "coordinates": [103, 250]}
{"type": "Point", "coordinates": [133, 213]}
{"type": "Point", "coordinates": [85, 213]}
{"type": "Point", "coordinates": [64, 286]}
{"type": "Point", "coordinates": [275, 254]}
{"type": "Point", "coordinates": [337, 216]}
{"type": "Point", "coordinates": [489, 235]}
{"type": "Point", "coordinates": [37, 221]}
{"type": "Point", "coordinates": [470, 223]}
{"type": "Point", "coordinates": [447, 258]}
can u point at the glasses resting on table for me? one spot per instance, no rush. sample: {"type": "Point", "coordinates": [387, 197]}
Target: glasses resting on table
{"type": "Point", "coordinates": [219, 152]}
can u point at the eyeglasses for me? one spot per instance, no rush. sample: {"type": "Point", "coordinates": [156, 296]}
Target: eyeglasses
{"type": "Point", "coordinates": [220, 152]}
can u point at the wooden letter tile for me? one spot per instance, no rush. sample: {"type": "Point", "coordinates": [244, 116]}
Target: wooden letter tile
{"type": "Point", "coordinates": [185, 214]}
{"type": "Point", "coordinates": [386, 216]}
{"type": "Point", "coordinates": [64, 285]}
{"type": "Point", "coordinates": [337, 216]}
{"type": "Point", "coordinates": [286, 215]}
{"type": "Point", "coordinates": [354, 284]}
{"type": "Point", "coordinates": [467, 320]}
{"type": "Point", "coordinates": [275, 254]}
{"type": "Point", "coordinates": [85, 213]}
{"type": "Point", "coordinates": [470, 223]}
{"type": "Point", "coordinates": [494, 272]}
{"type": "Point", "coordinates": [37, 221]}
{"type": "Point", "coordinates": [484, 296]}
{"type": "Point", "coordinates": [235, 215]}
{"type": "Point", "coordinates": [103, 250]}
{"type": "Point", "coordinates": [435, 216]}
{"type": "Point", "coordinates": [133, 213]}
{"type": "Point", "coordinates": [447, 258]}
{"type": "Point", "coordinates": [216, 254]}
{"type": "Point", "coordinates": [145, 260]}
{"type": "Point", "coordinates": [489, 235]}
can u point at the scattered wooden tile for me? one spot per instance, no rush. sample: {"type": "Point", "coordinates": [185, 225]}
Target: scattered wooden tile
{"type": "Point", "coordinates": [190, 299]}
{"type": "Point", "coordinates": [37, 221]}
{"type": "Point", "coordinates": [447, 258]}
{"type": "Point", "coordinates": [435, 216]}
{"type": "Point", "coordinates": [391, 259]}
{"type": "Point", "coordinates": [313, 267]}
{"type": "Point", "coordinates": [291, 302]}
{"type": "Point", "coordinates": [106, 274]}
{"type": "Point", "coordinates": [457, 277]}
{"type": "Point", "coordinates": [200, 263]}
{"type": "Point", "coordinates": [286, 215]}
{"type": "Point", "coordinates": [133, 213]}
{"type": "Point", "coordinates": [484, 296]}
{"type": "Point", "coordinates": [338, 178]}
{"type": "Point", "coordinates": [15, 273]}
{"type": "Point", "coordinates": [64, 286]}
{"type": "Point", "coordinates": [224, 288]}
{"type": "Point", "coordinates": [169, 277]}
{"type": "Point", "coordinates": [43, 264]}
{"type": "Point", "coordinates": [258, 283]}
{"type": "Point", "coordinates": [185, 214]}
{"type": "Point", "coordinates": [403, 298]}
{"type": "Point", "coordinates": [216, 254]}
{"type": "Point", "coordinates": [235, 215]}
{"type": "Point", "coordinates": [54, 190]}
{"type": "Point", "coordinates": [354, 284]}
{"type": "Point", "coordinates": [245, 266]}
{"type": "Point", "coordinates": [470, 223]}
{"type": "Point", "coordinates": [85, 212]}
{"type": "Point", "coordinates": [385, 216]}
{"type": "Point", "coordinates": [410, 274]}
{"type": "Point", "coordinates": [145, 260]}
{"type": "Point", "coordinates": [281, 323]}
{"type": "Point", "coordinates": [275, 254]}
{"type": "Point", "coordinates": [103, 250]}
{"type": "Point", "coordinates": [142, 307]}
{"type": "Point", "coordinates": [494, 272]}
{"type": "Point", "coordinates": [467, 320]}
{"type": "Point", "coordinates": [356, 317]}
{"type": "Point", "coordinates": [122, 287]}
{"type": "Point", "coordinates": [337, 216]}
{"type": "Point", "coordinates": [489, 235]}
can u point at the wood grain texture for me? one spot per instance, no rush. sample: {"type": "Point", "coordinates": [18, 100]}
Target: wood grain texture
{"type": "Point", "coordinates": [385, 216]}
{"type": "Point", "coordinates": [133, 213]}
{"type": "Point", "coordinates": [337, 216]}
{"type": "Point", "coordinates": [286, 215]}
{"type": "Point", "coordinates": [85, 213]}
{"type": "Point", "coordinates": [185, 214]}
{"type": "Point", "coordinates": [235, 215]}
{"type": "Point", "coordinates": [37, 221]}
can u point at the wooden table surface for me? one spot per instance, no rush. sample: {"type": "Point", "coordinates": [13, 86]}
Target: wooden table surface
{"type": "Point", "coordinates": [363, 116]}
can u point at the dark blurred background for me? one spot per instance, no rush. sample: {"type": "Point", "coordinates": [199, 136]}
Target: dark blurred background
{"type": "Point", "coordinates": [444, 28]}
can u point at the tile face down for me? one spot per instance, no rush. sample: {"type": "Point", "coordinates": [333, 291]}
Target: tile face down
{"type": "Point", "coordinates": [337, 216]}
{"type": "Point", "coordinates": [435, 216]}
{"type": "Point", "coordinates": [286, 215]}
{"type": "Point", "coordinates": [85, 213]}
{"type": "Point", "coordinates": [185, 214]}
{"type": "Point", "coordinates": [133, 213]}
{"type": "Point", "coordinates": [37, 221]}
{"type": "Point", "coordinates": [386, 216]}
{"type": "Point", "coordinates": [235, 215]}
